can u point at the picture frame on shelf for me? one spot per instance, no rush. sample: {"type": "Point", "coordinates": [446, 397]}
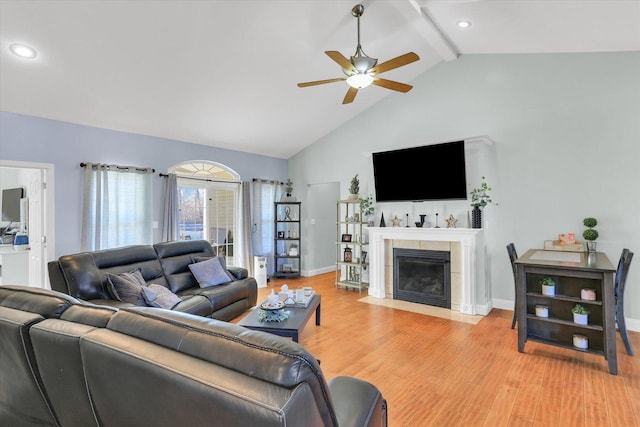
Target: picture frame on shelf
{"type": "Point", "coordinates": [287, 268]}
{"type": "Point", "coordinates": [364, 256]}
{"type": "Point", "coordinates": [348, 255]}
{"type": "Point", "coordinates": [346, 238]}
{"type": "Point", "coordinates": [280, 234]}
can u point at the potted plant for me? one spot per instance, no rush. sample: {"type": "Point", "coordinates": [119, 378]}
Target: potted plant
{"type": "Point", "coordinates": [288, 189]}
{"type": "Point", "coordinates": [580, 314]}
{"type": "Point", "coordinates": [354, 189]}
{"type": "Point", "coordinates": [480, 198]}
{"type": "Point", "coordinates": [590, 234]}
{"type": "Point", "coordinates": [548, 286]}
{"type": "Point", "coordinates": [367, 209]}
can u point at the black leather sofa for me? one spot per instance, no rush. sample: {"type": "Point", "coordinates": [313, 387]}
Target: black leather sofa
{"type": "Point", "coordinates": [66, 362]}
{"type": "Point", "coordinates": [83, 276]}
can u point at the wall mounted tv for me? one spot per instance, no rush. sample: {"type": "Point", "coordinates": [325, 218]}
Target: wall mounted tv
{"type": "Point", "coordinates": [11, 204]}
{"type": "Point", "coordinates": [430, 172]}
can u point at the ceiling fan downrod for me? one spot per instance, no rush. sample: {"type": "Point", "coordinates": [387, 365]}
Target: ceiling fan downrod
{"type": "Point", "coordinates": [360, 60]}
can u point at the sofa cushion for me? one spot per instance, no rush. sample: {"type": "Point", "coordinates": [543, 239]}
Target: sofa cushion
{"type": "Point", "coordinates": [159, 296]}
{"type": "Point", "coordinates": [127, 287]}
{"type": "Point", "coordinates": [210, 273]}
{"type": "Point", "coordinates": [175, 257]}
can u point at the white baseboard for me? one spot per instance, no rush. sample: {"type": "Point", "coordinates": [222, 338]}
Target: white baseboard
{"type": "Point", "coordinates": [632, 324]}
{"type": "Point", "coordinates": [311, 273]}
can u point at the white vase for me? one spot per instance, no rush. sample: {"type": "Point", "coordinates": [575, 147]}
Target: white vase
{"type": "Point", "coordinates": [548, 290]}
{"type": "Point", "coordinates": [581, 319]}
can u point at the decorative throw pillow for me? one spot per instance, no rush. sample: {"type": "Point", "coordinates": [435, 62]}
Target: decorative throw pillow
{"type": "Point", "coordinates": [223, 263]}
{"type": "Point", "coordinates": [159, 296]}
{"type": "Point", "coordinates": [127, 287]}
{"type": "Point", "coordinates": [209, 273]}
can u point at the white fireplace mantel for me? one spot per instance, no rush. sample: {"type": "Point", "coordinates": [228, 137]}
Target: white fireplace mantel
{"type": "Point", "coordinates": [474, 294]}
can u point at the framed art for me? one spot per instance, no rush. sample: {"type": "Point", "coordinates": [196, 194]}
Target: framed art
{"type": "Point", "coordinates": [346, 237]}
{"type": "Point", "coordinates": [364, 257]}
{"type": "Point", "coordinates": [280, 234]}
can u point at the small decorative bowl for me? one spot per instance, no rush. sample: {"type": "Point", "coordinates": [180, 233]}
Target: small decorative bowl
{"type": "Point", "coordinates": [588, 294]}
{"type": "Point", "coordinates": [542, 310]}
{"type": "Point", "coordinates": [580, 341]}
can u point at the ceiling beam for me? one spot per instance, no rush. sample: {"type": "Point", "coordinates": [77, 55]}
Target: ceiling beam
{"type": "Point", "coordinates": [432, 34]}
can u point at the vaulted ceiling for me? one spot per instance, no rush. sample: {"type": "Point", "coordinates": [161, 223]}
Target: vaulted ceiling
{"type": "Point", "coordinates": [224, 73]}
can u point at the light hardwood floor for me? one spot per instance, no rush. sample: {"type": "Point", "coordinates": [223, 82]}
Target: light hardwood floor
{"type": "Point", "coordinates": [439, 372]}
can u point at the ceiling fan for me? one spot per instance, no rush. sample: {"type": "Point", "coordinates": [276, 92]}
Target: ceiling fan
{"type": "Point", "coordinates": [361, 70]}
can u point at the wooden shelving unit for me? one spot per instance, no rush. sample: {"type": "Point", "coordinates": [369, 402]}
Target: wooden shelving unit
{"type": "Point", "coordinates": [287, 236]}
{"type": "Point", "coordinates": [351, 270]}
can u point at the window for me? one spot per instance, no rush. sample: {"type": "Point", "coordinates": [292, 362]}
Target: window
{"type": "Point", "coordinates": [208, 199]}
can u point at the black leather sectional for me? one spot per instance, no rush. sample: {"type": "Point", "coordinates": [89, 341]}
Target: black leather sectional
{"type": "Point", "coordinates": [66, 362]}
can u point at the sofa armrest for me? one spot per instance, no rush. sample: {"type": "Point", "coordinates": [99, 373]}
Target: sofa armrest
{"type": "Point", "coordinates": [239, 272]}
{"type": "Point", "coordinates": [357, 403]}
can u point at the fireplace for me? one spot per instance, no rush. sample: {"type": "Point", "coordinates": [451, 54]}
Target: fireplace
{"type": "Point", "coordinates": [422, 276]}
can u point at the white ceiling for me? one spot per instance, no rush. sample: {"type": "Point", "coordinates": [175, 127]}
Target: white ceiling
{"type": "Point", "coordinates": [224, 73]}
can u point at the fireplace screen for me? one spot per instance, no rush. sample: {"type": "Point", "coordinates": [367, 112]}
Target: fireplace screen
{"type": "Point", "coordinates": [422, 276]}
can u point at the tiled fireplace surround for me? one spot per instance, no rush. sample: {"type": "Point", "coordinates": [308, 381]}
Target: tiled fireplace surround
{"type": "Point", "coordinates": [469, 293]}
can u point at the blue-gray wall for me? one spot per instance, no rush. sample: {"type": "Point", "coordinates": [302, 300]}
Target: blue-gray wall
{"type": "Point", "coordinates": [66, 145]}
{"type": "Point", "coordinates": [567, 132]}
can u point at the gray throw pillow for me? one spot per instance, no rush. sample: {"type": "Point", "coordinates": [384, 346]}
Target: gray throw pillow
{"type": "Point", "coordinates": [223, 263]}
{"type": "Point", "coordinates": [209, 273]}
{"type": "Point", "coordinates": [159, 296]}
{"type": "Point", "coordinates": [127, 287]}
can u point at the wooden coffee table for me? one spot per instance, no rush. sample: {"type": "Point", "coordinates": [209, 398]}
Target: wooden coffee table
{"type": "Point", "coordinates": [298, 318]}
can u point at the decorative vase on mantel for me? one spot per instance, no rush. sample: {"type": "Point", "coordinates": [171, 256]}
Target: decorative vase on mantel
{"type": "Point", "coordinates": [476, 217]}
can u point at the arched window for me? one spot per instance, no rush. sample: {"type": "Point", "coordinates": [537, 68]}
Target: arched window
{"type": "Point", "coordinates": [208, 204]}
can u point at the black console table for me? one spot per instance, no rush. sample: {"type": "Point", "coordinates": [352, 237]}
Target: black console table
{"type": "Point", "coordinates": [572, 271]}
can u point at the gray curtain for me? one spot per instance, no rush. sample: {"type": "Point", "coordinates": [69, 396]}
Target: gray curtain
{"type": "Point", "coordinates": [116, 207]}
{"type": "Point", "coordinates": [264, 195]}
{"type": "Point", "coordinates": [170, 211]}
{"type": "Point", "coordinates": [246, 247]}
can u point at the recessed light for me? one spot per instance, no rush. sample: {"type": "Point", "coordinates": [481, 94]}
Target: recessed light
{"type": "Point", "coordinates": [463, 24]}
{"type": "Point", "coordinates": [23, 51]}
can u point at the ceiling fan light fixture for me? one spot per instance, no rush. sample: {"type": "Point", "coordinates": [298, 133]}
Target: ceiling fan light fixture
{"type": "Point", "coordinates": [359, 80]}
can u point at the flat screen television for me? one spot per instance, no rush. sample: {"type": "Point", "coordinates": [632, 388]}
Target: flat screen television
{"type": "Point", "coordinates": [430, 172]}
{"type": "Point", "coordinates": [11, 204]}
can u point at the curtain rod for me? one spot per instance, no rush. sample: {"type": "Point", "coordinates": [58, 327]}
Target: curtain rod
{"type": "Point", "coordinates": [268, 181]}
{"type": "Point", "coordinates": [126, 168]}
{"type": "Point", "coordinates": [164, 175]}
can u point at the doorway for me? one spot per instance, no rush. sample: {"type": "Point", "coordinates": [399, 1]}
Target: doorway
{"type": "Point", "coordinates": [30, 267]}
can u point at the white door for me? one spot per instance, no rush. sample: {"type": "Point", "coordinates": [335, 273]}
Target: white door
{"type": "Point", "coordinates": [38, 180]}
{"type": "Point", "coordinates": [35, 228]}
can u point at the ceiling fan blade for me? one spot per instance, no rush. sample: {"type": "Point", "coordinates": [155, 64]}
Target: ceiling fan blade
{"type": "Point", "coordinates": [350, 96]}
{"type": "Point", "coordinates": [321, 82]}
{"type": "Point", "coordinates": [341, 60]}
{"type": "Point", "coordinates": [396, 62]}
{"type": "Point", "coordinates": [390, 84]}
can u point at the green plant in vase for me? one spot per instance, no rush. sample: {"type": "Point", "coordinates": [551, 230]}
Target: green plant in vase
{"type": "Point", "coordinates": [366, 208]}
{"type": "Point", "coordinates": [354, 189]}
{"type": "Point", "coordinates": [590, 234]}
{"type": "Point", "coordinates": [580, 314]}
{"type": "Point", "coordinates": [480, 198]}
{"type": "Point", "coordinates": [548, 286]}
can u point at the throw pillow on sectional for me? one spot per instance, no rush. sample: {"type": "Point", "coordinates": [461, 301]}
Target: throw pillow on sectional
{"type": "Point", "coordinates": [223, 263]}
{"type": "Point", "coordinates": [127, 287]}
{"type": "Point", "coordinates": [159, 296]}
{"type": "Point", "coordinates": [209, 273]}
